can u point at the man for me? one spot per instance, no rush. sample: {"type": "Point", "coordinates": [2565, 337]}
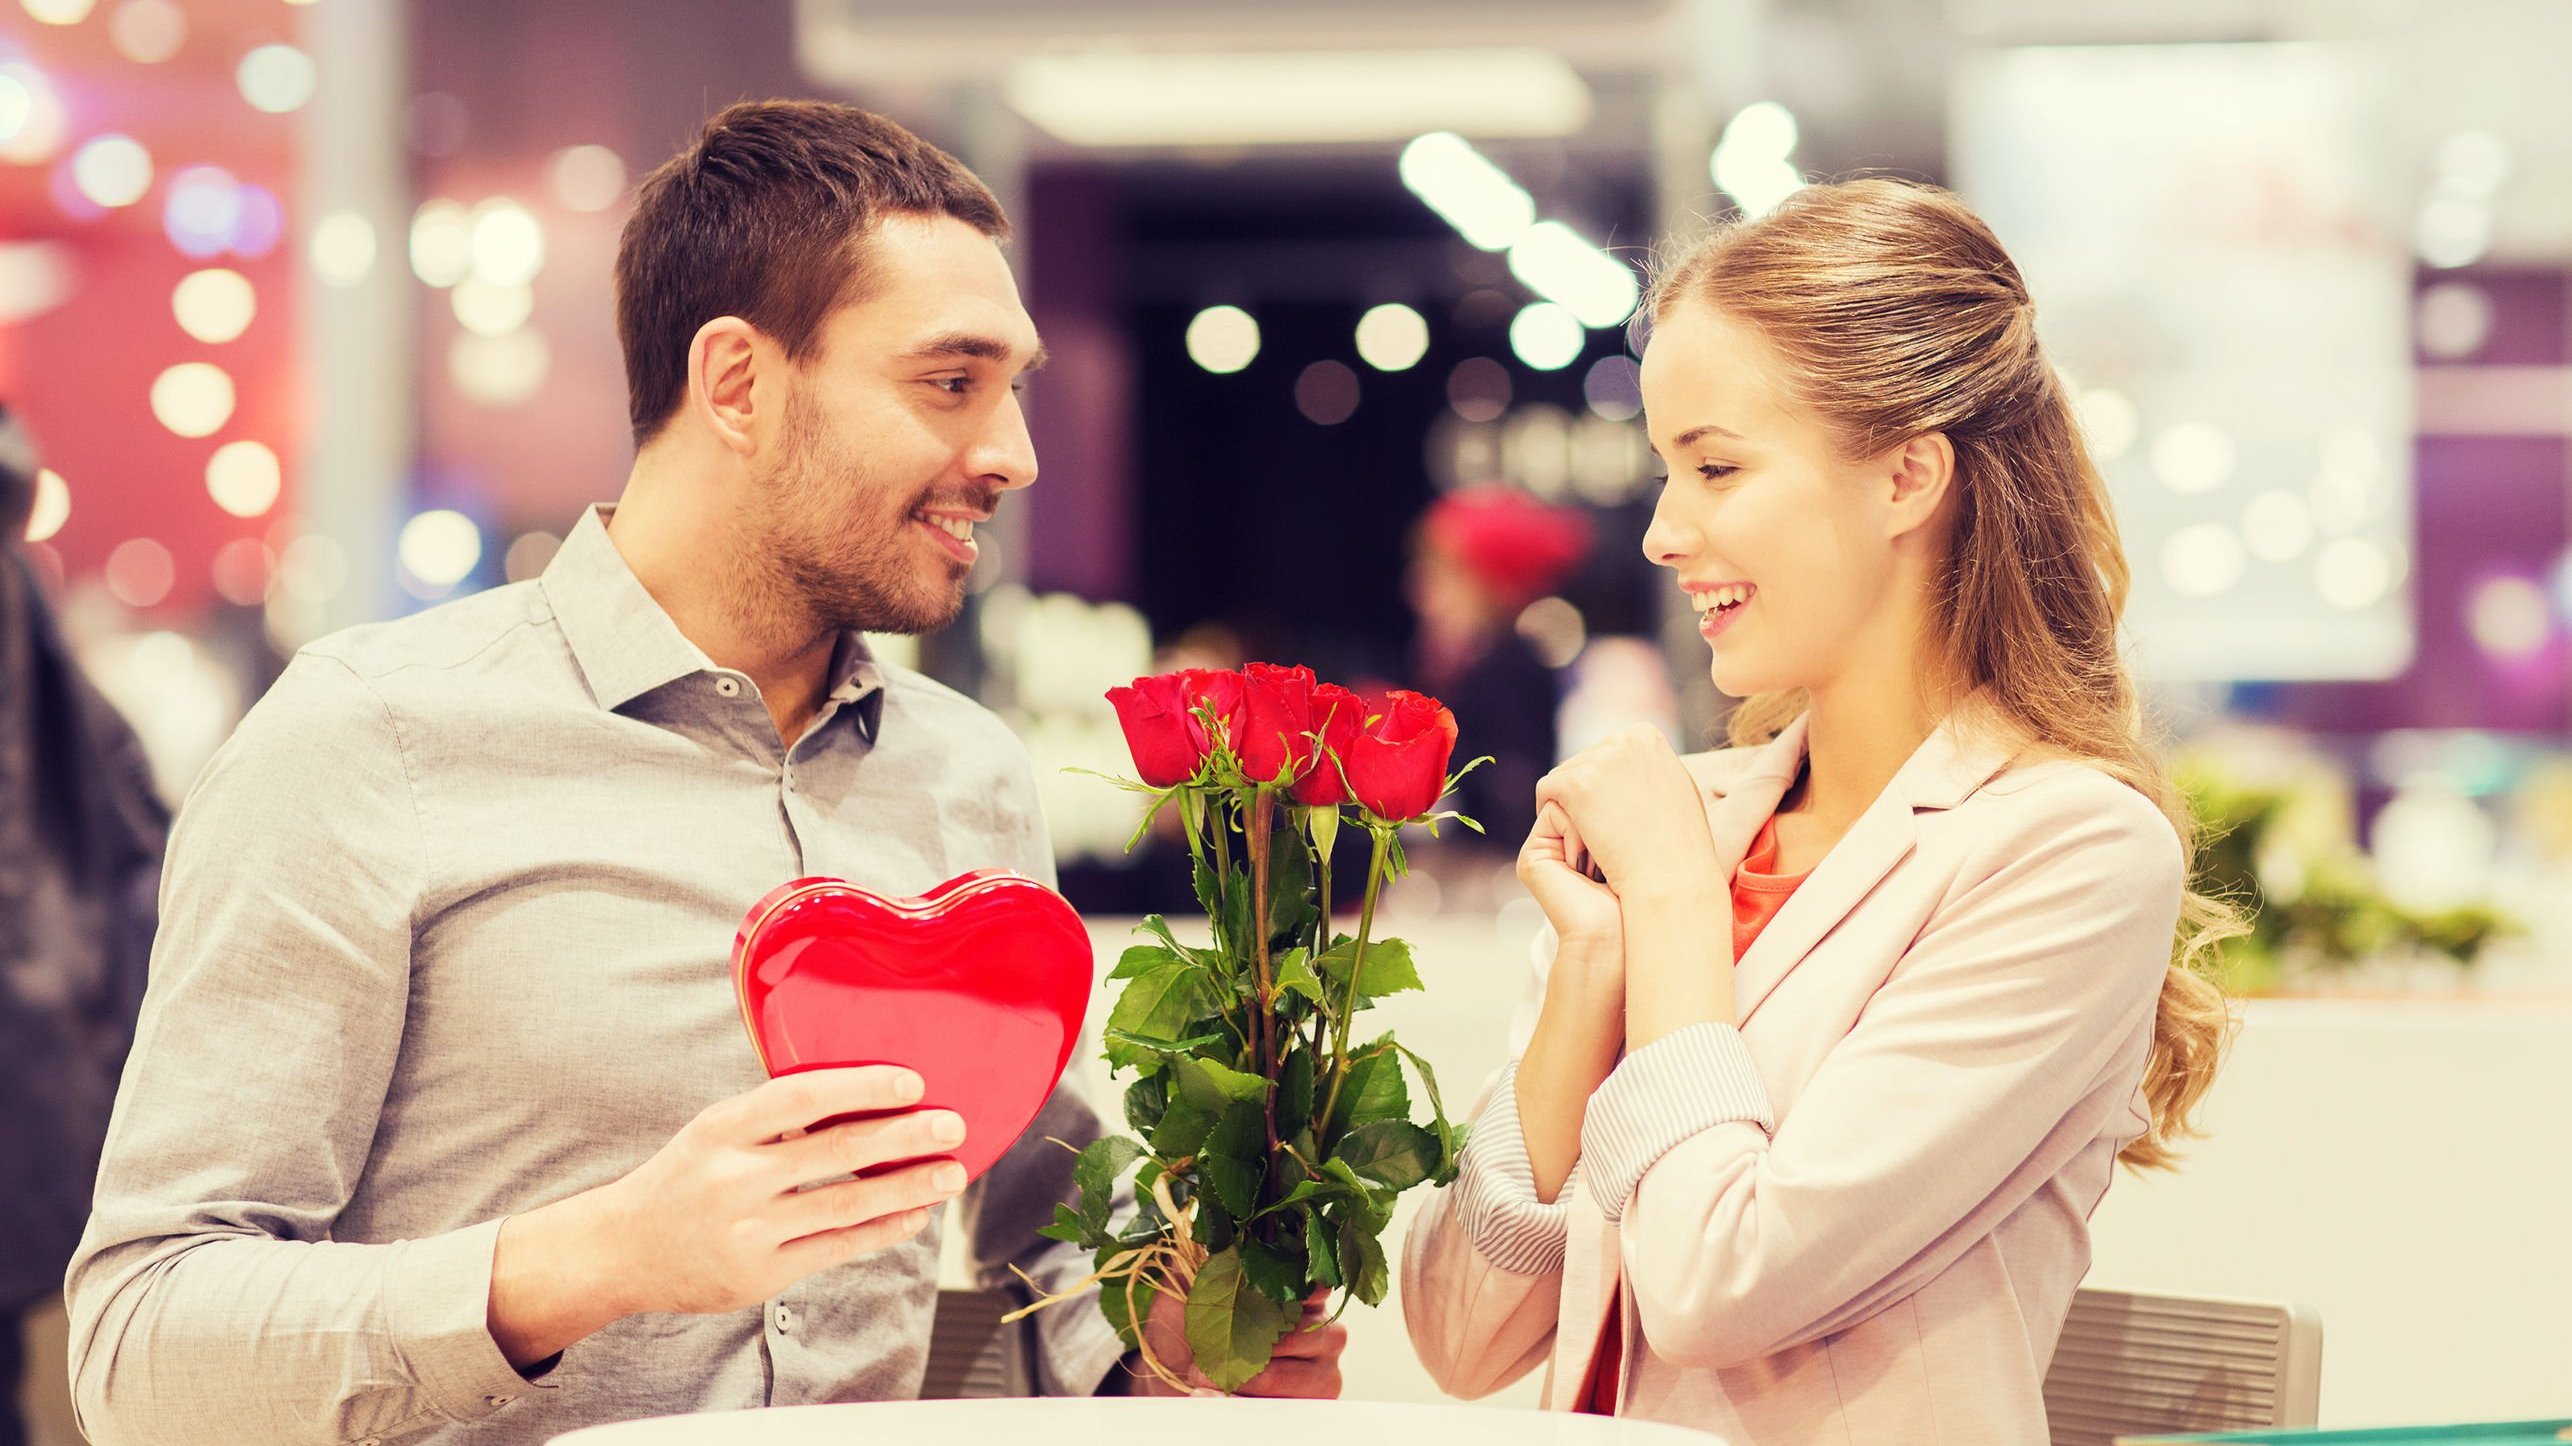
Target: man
{"type": "Point", "coordinates": [80, 847]}
{"type": "Point", "coordinates": [441, 1119]}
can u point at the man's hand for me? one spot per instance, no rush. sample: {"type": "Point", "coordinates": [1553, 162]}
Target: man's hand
{"type": "Point", "coordinates": [1306, 1364]}
{"type": "Point", "coordinates": [719, 1219]}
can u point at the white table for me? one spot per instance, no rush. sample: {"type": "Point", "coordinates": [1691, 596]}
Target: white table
{"type": "Point", "coordinates": [1072, 1421]}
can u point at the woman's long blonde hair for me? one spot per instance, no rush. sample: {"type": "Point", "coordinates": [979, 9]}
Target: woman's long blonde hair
{"type": "Point", "coordinates": [1898, 314]}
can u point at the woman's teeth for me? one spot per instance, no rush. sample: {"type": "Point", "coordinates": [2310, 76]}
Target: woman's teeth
{"type": "Point", "coordinates": [1724, 597]}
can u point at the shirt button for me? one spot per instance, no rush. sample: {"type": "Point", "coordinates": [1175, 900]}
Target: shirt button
{"type": "Point", "coordinates": [498, 1400]}
{"type": "Point", "coordinates": [728, 687]}
{"type": "Point", "coordinates": [785, 1320]}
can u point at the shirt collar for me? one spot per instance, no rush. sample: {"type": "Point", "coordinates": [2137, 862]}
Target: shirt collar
{"type": "Point", "coordinates": [627, 646]}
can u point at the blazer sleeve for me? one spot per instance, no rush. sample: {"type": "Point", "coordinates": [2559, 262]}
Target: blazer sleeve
{"type": "Point", "coordinates": [2005, 1041]}
{"type": "Point", "coordinates": [1482, 1266]}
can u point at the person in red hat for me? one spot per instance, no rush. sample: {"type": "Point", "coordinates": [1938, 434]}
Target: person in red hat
{"type": "Point", "coordinates": [1480, 555]}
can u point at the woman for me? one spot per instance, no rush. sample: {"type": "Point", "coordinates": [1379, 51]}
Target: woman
{"type": "Point", "coordinates": [1837, 1034]}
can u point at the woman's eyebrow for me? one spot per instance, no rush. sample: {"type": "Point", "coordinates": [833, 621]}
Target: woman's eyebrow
{"type": "Point", "coordinates": [1698, 434]}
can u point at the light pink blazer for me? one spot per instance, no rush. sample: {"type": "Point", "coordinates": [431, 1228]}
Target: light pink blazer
{"type": "Point", "coordinates": [1860, 1216]}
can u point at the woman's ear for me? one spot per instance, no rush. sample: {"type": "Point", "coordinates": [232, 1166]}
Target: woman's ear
{"type": "Point", "coordinates": [1920, 472]}
{"type": "Point", "coordinates": [723, 363]}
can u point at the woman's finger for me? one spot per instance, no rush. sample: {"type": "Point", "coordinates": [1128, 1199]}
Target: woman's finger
{"type": "Point", "coordinates": [1576, 851]}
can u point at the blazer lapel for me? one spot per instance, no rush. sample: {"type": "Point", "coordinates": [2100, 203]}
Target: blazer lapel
{"type": "Point", "coordinates": [1881, 838]}
{"type": "Point", "coordinates": [1947, 767]}
{"type": "Point", "coordinates": [1737, 807]}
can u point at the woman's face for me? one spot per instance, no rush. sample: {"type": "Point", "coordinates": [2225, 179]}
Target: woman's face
{"type": "Point", "coordinates": [1786, 550]}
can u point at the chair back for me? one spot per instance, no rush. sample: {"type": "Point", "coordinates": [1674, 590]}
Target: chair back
{"type": "Point", "coordinates": [973, 1352]}
{"type": "Point", "coordinates": [2140, 1365]}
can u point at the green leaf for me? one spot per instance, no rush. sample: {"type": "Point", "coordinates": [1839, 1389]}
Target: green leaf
{"type": "Point", "coordinates": [1216, 1227]}
{"type": "Point", "coordinates": [1295, 976]}
{"type": "Point", "coordinates": [1451, 1138]}
{"type": "Point", "coordinates": [1069, 1228]}
{"type": "Point", "coordinates": [1295, 1088]}
{"type": "Point", "coordinates": [1101, 1162]}
{"type": "Point", "coordinates": [1274, 1274]}
{"type": "Point", "coordinates": [1232, 1328]}
{"type": "Point", "coordinates": [1290, 884]}
{"type": "Point", "coordinates": [1362, 1261]}
{"type": "Point", "coordinates": [1145, 1100]}
{"type": "Point", "coordinates": [1321, 1250]}
{"type": "Point", "coordinates": [1143, 959]}
{"type": "Point", "coordinates": [1203, 1091]}
{"type": "Point", "coordinates": [1124, 1310]}
{"type": "Point", "coordinates": [1153, 1048]}
{"type": "Point", "coordinates": [1234, 1159]}
{"type": "Point", "coordinates": [1157, 1005]}
{"type": "Point", "coordinates": [1396, 1153]}
{"type": "Point", "coordinates": [1388, 970]}
{"type": "Point", "coordinates": [1338, 1169]}
{"type": "Point", "coordinates": [1236, 910]}
{"type": "Point", "coordinates": [1204, 879]}
{"type": "Point", "coordinates": [1374, 1090]}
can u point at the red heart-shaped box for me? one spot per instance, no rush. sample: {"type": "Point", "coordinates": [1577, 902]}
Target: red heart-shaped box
{"type": "Point", "coordinates": [979, 985]}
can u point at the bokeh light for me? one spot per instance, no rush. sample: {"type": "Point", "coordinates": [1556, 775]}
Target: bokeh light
{"type": "Point", "coordinates": [112, 170]}
{"type": "Point", "coordinates": [276, 78]}
{"type": "Point", "coordinates": [499, 371]}
{"type": "Point", "coordinates": [508, 246]}
{"type": "Point", "coordinates": [440, 547]}
{"type": "Point", "coordinates": [441, 242]}
{"type": "Point", "coordinates": [147, 32]}
{"type": "Point", "coordinates": [1223, 339]}
{"type": "Point", "coordinates": [139, 573]}
{"type": "Point", "coordinates": [1547, 336]}
{"type": "Point", "coordinates": [214, 305]}
{"type": "Point", "coordinates": [1326, 392]}
{"type": "Point", "coordinates": [587, 178]}
{"type": "Point", "coordinates": [244, 478]}
{"type": "Point", "coordinates": [53, 506]}
{"type": "Point", "coordinates": [1392, 337]}
{"type": "Point", "coordinates": [343, 248]}
{"type": "Point", "coordinates": [193, 399]}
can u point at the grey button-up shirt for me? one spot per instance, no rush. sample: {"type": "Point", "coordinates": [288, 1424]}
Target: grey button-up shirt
{"type": "Point", "coordinates": [445, 935]}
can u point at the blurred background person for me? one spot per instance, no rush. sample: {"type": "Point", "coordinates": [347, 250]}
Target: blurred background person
{"type": "Point", "coordinates": [1479, 557]}
{"type": "Point", "coordinates": [80, 851]}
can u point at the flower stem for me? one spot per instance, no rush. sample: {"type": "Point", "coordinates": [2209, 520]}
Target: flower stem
{"type": "Point", "coordinates": [1261, 817]}
{"type": "Point", "coordinates": [1357, 962]}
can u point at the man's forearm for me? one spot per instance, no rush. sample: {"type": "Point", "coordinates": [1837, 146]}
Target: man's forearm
{"type": "Point", "coordinates": [553, 1281]}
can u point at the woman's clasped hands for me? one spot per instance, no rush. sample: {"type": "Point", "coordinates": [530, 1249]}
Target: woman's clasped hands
{"type": "Point", "coordinates": [1621, 851]}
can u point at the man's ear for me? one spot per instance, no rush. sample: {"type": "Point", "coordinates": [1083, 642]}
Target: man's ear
{"type": "Point", "coordinates": [724, 361]}
{"type": "Point", "coordinates": [1920, 472]}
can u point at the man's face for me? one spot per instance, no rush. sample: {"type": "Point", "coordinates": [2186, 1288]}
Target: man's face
{"type": "Point", "coordinates": [900, 432]}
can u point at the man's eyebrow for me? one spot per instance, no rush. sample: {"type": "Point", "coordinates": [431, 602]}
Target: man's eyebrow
{"type": "Point", "coordinates": [972, 344]}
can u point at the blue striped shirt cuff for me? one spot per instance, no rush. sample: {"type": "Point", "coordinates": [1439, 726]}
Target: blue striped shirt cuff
{"type": "Point", "coordinates": [1496, 1191]}
{"type": "Point", "coordinates": [1680, 1085]}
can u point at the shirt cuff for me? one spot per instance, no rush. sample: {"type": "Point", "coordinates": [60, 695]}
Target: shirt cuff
{"type": "Point", "coordinates": [1680, 1085]}
{"type": "Point", "coordinates": [1496, 1191]}
{"type": "Point", "coordinates": [437, 1295]}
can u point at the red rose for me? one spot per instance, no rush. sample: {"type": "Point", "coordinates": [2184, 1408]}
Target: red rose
{"type": "Point", "coordinates": [1397, 764]}
{"type": "Point", "coordinates": [1164, 737]}
{"type": "Point", "coordinates": [1337, 715]}
{"type": "Point", "coordinates": [1219, 689]}
{"type": "Point", "coordinates": [1277, 716]}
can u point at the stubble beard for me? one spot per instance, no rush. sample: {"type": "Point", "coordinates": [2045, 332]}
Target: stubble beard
{"type": "Point", "coordinates": [838, 554]}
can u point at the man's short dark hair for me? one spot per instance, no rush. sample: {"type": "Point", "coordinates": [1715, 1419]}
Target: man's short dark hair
{"type": "Point", "coordinates": [768, 216]}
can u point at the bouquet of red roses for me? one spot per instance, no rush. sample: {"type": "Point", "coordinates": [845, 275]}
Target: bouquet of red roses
{"type": "Point", "coordinates": [1269, 1142]}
